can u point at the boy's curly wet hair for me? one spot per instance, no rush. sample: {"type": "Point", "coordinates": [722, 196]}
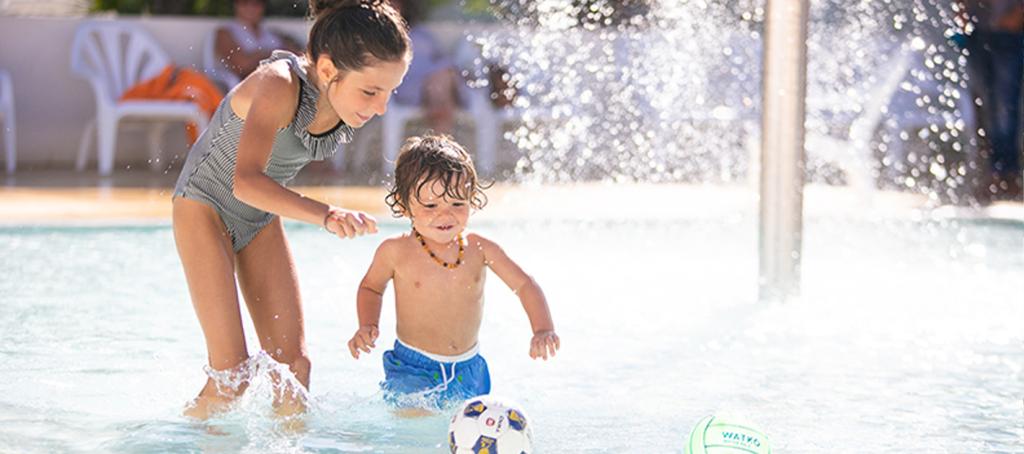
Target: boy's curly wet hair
{"type": "Point", "coordinates": [424, 159]}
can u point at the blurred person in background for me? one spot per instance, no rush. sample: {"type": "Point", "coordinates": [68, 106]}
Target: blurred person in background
{"type": "Point", "coordinates": [244, 42]}
{"type": "Point", "coordinates": [993, 35]}
{"type": "Point", "coordinates": [433, 80]}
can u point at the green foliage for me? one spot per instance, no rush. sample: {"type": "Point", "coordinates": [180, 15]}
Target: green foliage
{"type": "Point", "coordinates": [473, 7]}
{"type": "Point", "coordinates": [121, 6]}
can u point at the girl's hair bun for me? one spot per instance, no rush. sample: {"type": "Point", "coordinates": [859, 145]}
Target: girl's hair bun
{"type": "Point", "coordinates": [354, 33]}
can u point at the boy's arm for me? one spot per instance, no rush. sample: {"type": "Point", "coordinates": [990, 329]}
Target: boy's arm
{"type": "Point", "coordinates": [544, 342]}
{"type": "Point", "coordinates": [369, 299]}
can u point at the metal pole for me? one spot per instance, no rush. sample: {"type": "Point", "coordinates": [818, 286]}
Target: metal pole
{"type": "Point", "coordinates": [782, 148]}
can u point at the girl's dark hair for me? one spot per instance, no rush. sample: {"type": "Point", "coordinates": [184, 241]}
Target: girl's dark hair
{"type": "Point", "coordinates": [352, 32]}
{"type": "Point", "coordinates": [423, 160]}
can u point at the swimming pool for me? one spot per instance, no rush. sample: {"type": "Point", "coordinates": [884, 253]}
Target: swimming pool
{"type": "Point", "coordinates": [907, 339]}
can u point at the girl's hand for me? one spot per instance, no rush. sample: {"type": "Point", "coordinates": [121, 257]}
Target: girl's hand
{"type": "Point", "coordinates": [544, 344]}
{"type": "Point", "coordinates": [363, 340]}
{"type": "Point", "coordinates": [349, 224]}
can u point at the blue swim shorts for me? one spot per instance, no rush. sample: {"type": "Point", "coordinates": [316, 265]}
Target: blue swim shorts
{"type": "Point", "coordinates": [413, 377]}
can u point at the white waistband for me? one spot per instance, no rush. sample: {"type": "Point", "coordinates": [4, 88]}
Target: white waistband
{"type": "Point", "coordinates": [443, 358]}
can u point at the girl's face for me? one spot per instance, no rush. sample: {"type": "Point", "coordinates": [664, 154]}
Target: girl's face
{"type": "Point", "coordinates": [438, 218]}
{"type": "Point", "coordinates": [359, 95]}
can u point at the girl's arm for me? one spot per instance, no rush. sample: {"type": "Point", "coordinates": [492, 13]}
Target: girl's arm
{"type": "Point", "coordinates": [369, 299]}
{"type": "Point", "coordinates": [268, 99]}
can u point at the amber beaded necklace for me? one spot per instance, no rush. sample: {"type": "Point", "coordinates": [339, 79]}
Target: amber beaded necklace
{"type": "Point", "coordinates": [458, 261]}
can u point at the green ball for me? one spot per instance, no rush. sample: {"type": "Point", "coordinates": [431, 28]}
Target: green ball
{"type": "Point", "coordinates": [718, 435]}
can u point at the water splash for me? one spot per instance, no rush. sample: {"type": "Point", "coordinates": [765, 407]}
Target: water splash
{"type": "Point", "coordinates": [261, 379]}
{"type": "Point", "coordinates": [616, 92]}
{"type": "Point", "coordinates": [656, 91]}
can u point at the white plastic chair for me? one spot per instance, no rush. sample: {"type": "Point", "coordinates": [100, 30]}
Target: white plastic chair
{"type": "Point", "coordinates": [7, 120]}
{"type": "Point", "coordinates": [113, 56]}
{"type": "Point", "coordinates": [215, 68]}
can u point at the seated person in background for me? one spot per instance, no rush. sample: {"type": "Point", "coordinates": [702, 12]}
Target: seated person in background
{"type": "Point", "coordinates": [432, 81]}
{"type": "Point", "coordinates": [244, 42]}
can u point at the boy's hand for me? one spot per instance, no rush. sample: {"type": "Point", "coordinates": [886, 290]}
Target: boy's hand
{"type": "Point", "coordinates": [363, 340]}
{"type": "Point", "coordinates": [544, 344]}
{"type": "Point", "coordinates": [349, 224]}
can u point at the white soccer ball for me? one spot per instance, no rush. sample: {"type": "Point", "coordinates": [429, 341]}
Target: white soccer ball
{"type": "Point", "coordinates": [490, 424]}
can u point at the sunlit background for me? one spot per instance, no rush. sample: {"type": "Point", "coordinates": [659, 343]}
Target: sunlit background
{"type": "Point", "coordinates": [628, 169]}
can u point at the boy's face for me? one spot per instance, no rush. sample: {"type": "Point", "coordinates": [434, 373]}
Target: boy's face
{"type": "Point", "coordinates": [438, 218]}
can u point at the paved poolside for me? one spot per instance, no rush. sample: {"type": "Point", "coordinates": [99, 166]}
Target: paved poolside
{"type": "Point", "coordinates": [64, 197]}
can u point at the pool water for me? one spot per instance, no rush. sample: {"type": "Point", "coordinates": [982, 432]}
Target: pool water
{"type": "Point", "coordinates": [907, 338]}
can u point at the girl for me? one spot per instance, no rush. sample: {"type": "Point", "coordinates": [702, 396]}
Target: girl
{"type": "Point", "coordinates": [230, 197]}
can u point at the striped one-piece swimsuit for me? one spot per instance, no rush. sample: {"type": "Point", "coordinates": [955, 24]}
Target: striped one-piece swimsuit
{"type": "Point", "coordinates": [209, 171]}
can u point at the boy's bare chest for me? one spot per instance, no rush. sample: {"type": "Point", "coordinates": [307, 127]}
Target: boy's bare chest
{"type": "Point", "coordinates": [419, 274]}
{"type": "Point", "coordinates": [467, 279]}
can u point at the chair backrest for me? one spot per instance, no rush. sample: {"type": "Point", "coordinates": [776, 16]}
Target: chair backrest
{"type": "Point", "coordinates": [214, 67]}
{"type": "Point", "coordinates": [114, 56]}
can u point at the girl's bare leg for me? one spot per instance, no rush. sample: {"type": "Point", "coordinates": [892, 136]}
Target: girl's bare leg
{"type": "Point", "coordinates": [270, 286]}
{"type": "Point", "coordinates": [208, 259]}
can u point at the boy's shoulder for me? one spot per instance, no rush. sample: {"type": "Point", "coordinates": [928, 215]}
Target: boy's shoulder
{"type": "Point", "coordinates": [475, 236]}
{"type": "Point", "coordinates": [475, 239]}
{"type": "Point", "coordinates": [391, 249]}
{"type": "Point", "coordinates": [396, 241]}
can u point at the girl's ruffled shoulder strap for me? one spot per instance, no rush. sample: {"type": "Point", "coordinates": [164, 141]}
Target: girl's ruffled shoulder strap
{"type": "Point", "coordinates": [321, 146]}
